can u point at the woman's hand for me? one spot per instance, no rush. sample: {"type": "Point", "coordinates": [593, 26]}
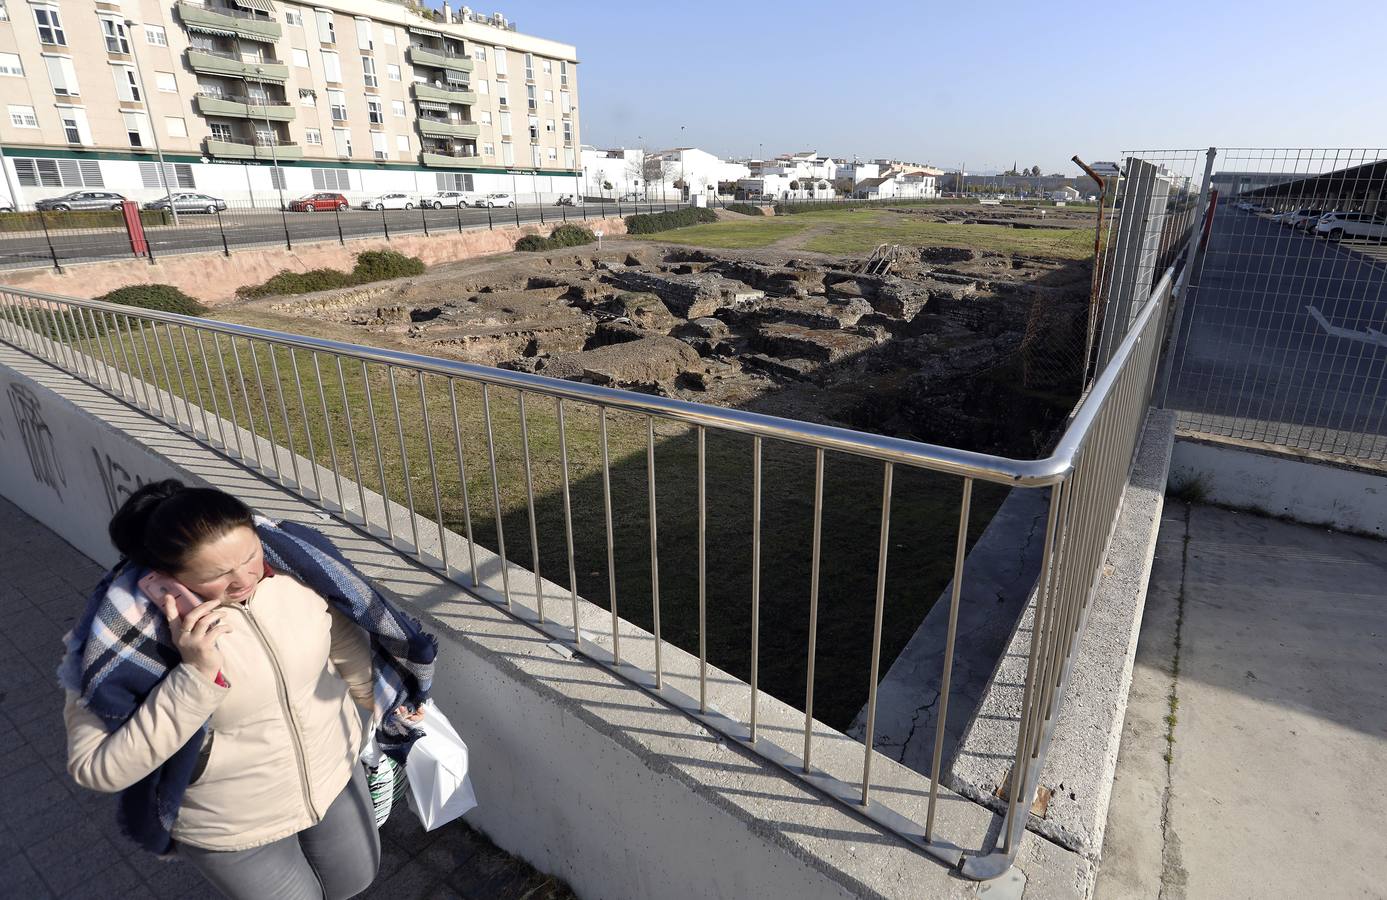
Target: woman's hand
{"type": "Point", "coordinates": [413, 718]}
{"type": "Point", "coordinates": [195, 634]}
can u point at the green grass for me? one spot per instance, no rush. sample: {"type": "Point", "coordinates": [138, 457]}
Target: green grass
{"type": "Point", "coordinates": [857, 231]}
{"type": "Point", "coordinates": [924, 519]}
{"type": "Point", "coordinates": [733, 235]}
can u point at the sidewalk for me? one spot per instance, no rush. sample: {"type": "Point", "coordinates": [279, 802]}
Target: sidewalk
{"type": "Point", "coordinates": [1275, 783]}
{"type": "Point", "coordinates": [58, 840]}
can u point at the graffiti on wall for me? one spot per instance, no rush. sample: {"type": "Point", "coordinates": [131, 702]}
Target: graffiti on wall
{"type": "Point", "coordinates": [38, 439]}
{"type": "Point", "coordinates": [118, 481]}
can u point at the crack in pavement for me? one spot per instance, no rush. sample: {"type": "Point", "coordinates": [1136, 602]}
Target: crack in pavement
{"type": "Point", "coordinates": [1173, 874]}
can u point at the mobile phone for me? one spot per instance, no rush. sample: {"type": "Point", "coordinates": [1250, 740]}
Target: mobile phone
{"type": "Point", "coordinates": [156, 584]}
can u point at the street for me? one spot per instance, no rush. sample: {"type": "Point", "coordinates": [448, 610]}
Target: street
{"type": "Point", "coordinates": [1282, 337]}
{"type": "Point", "coordinates": [249, 227]}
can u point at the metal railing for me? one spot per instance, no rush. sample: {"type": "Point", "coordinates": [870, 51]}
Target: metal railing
{"type": "Point", "coordinates": [313, 415]}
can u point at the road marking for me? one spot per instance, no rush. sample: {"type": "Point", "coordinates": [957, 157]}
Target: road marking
{"type": "Point", "coordinates": [1366, 336]}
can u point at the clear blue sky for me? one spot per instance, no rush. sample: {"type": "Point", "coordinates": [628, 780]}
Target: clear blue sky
{"type": "Point", "coordinates": [983, 83]}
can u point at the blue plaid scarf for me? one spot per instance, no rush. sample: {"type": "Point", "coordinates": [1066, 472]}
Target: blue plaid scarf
{"type": "Point", "coordinates": [122, 647]}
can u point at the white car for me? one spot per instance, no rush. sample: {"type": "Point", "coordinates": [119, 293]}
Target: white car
{"type": "Point", "coordinates": [1304, 217]}
{"type": "Point", "coordinates": [493, 200]}
{"type": "Point", "coordinates": [1362, 226]}
{"type": "Point", "coordinates": [387, 201]}
{"type": "Point", "coordinates": [441, 199]}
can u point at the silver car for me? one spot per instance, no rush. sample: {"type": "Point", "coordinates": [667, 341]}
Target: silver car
{"type": "Point", "coordinates": [185, 201]}
{"type": "Point", "coordinates": [82, 200]}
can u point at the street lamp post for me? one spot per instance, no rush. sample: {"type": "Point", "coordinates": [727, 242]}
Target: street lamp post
{"type": "Point", "coordinates": [158, 152]}
{"type": "Point", "coordinates": [277, 178]}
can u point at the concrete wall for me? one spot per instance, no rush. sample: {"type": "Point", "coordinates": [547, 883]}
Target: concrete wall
{"type": "Point", "coordinates": [1315, 492]}
{"type": "Point", "coordinates": [214, 277]}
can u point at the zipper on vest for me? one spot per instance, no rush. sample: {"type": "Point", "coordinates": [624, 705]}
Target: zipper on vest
{"type": "Point", "coordinates": [283, 691]}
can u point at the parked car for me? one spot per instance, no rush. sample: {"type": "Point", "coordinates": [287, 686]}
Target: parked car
{"type": "Point", "coordinates": [6, 206]}
{"type": "Point", "coordinates": [319, 202]}
{"type": "Point", "coordinates": [184, 201]}
{"type": "Point", "coordinates": [387, 201]}
{"type": "Point", "coordinates": [449, 199]}
{"type": "Point", "coordinates": [82, 200]}
{"type": "Point", "coordinates": [492, 200]}
{"type": "Point", "coordinates": [1298, 218]}
{"type": "Point", "coordinates": [1353, 225]}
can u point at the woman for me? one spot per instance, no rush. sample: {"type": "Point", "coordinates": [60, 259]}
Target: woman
{"type": "Point", "coordinates": [232, 727]}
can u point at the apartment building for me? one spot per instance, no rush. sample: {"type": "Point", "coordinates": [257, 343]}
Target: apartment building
{"type": "Point", "coordinates": [251, 100]}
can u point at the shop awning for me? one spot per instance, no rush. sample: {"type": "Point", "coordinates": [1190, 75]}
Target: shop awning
{"type": "Point", "coordinates": [432, 106]}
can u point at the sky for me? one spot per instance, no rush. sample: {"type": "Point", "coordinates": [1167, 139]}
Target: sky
{"type": "Point", "coordinates": [976, 83]}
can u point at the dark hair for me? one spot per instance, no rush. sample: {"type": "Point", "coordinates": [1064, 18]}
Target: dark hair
{"type": "Point", "coordinates": [162, 524]}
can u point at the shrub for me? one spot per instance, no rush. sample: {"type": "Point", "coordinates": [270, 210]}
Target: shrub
{"type": "Point", "coordinates": [77, 218]}
{"type": "Point", "coordinates": [678, 218]}
{"type": "Point", "coordinates": [563, 236]}
{"type": "Point", "coordinates": [163, 297]}
{"type": "Point", "coordinates": [745, 209]}
{"type": "Point", "coordinates": [371, 265]}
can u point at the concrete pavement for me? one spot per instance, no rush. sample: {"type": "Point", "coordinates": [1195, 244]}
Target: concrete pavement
{"type": "Point", "coordinates": [1272, 638]}
{"type": "Point", "coordinates": [59, 840]}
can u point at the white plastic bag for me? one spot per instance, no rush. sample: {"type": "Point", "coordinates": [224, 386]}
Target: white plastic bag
{"type": "Point", "coordinates": [439, 788]}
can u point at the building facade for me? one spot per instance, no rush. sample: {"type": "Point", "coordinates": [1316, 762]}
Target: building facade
{"type": "Point", "coordinates": [254, 100]}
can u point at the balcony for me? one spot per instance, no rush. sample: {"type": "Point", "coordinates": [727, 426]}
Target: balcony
{"type": "Point", "coordinates": [228, 23]}
{"type": "Point", "coordinates": [438, 159]}
{"type": "Point", "coordinates": [443, 94]}
{"type": "Point", "coordinates": [438, 59]}
{"type": "Point", "coordinates": [441, 128]}
{"type": "Point", "coordinates": [240, 148]}
{"type": "Point", "coordinates": [245, 108]}
{"type": "Point", "coordinates": [219, 62]}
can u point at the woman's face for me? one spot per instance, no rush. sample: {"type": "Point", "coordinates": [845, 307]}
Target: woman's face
{"type": "Point", "coordinates": [227, 569]}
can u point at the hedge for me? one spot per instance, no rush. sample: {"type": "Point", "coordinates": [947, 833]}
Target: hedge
{"type": "Point", "coordinates": [67, 326]}
{"type": "Point", "coordinates": [664, 221]}
{"type": "Point", "coordinates": [163, 297]}
{"type": "Point", "coordinates": [745, 209]}
{"type": "Point", "coordinates": [82, 218]}
{"type": "Point", "coordinates": [371, 265]}
{"type": "Point", "coordinates": [563, 236]}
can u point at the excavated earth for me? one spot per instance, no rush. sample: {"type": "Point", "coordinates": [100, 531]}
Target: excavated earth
{"type": "Point", "coordinates": [968, 348]}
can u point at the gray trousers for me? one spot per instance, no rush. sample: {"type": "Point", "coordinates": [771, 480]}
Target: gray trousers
{"type": "Point", "coordinates": [333, 860]}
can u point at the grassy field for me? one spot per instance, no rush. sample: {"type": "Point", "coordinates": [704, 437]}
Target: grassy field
{"type": "Point", "coordinates": [855, 231]}
{"type": "Point", "coordinates": [924, 519]}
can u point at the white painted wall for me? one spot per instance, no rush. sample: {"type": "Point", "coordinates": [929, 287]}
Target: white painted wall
{"type": "Point", "coordinates": [1311, 492]}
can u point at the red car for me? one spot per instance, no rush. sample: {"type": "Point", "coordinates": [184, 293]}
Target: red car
{"type": "Point", "coordinates": [316, 202]}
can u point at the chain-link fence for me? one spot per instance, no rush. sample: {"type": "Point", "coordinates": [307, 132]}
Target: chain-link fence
{"type": "Point", "coordinates": [1282, 337]}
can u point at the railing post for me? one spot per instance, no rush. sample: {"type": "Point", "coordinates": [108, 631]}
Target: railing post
{"type": "Point", "coordinates": [49, 238]}
{"type": "Point", "coordinates": [284, 218]}
{"type": "Point", "coordinates": [1186, 273]}
{"type": "Point", "coordinates": [226, 250]}
{"type": "Point", "coordinates": [489, 224]}
{"type": "Point", "coordinates": [515, 205]}
{"type": "Point", "coordinates": [385, 226]}
{"type": "Point", "coordinates": [457, 210]}
{"type": "Point", "coordinates": [424, 217]}
{"type": "Point", "coordinates": [337, 215]}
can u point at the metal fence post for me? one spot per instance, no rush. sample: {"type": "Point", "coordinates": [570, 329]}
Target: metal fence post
{"type": "Point", "coordinates": [424, 217]}
{"type": "Point", "coordinates": [540, 204]}
{"type": "Point", "coordinates": [337, 215]}
{"type": "Point", "coordinates": [385, 226]}
{"type": "Point", "coordinates": [457, 210]}
{"type": "Point", "coordinates": [515, 205]}
{"type": "Point", "coordinates": [225, 249]}
{"type": "Point", "coordinates": [49, 238]}
{"type": "Point", "coordinates": [284, 218]}
{"type": "Point", "coordinates": [489, 224]}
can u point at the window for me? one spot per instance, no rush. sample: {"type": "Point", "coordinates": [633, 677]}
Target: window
{"type": "Point", "coordinates": [454, 181]}
{"type": "Point", "coordinates": [500, 62]}
{"type": "Point", "coordinates": [548, 66]}
{"type": "Point", "coordinates": [548, 96]}
{"type": "Point", "coordinates": [479, 54]}
{"type": "Point", "coordinates": [397, 108]}
{"type": "Point", "coordinates": [534, 157]}
{"type": "Point", "coordinates": [530, 96]}
{"type": "Point", "coordinates": [175, 126]}
{"type": "Point", "coordinates": [4, 13]}
{"type": "Point", "coordinates": [568, 132]}
{"type": "Point", "coordinates": [221, 131]}
{"type": "Point", "coordinates": [565, 105]}
{"type": "Point", "coordinates": [374, 115]}
{"type": "Point", "coordinates": [502, 94]}
{"type": "Point", "coordinates": [337, 102]}
{"type": "Point", "coordinates": [563, 74]}
{"type": "Point", "coordinates": [505, 124]}
{"type": "Point", "coordinates": [277, 178]}
{"type": "Point", "coordinates": [300, 57]}
{"type": "Point", "coordinates": [343, 139]}
{"type": "Point", "coordinates": [155, 34]}
{"type": "Point", "coordinates": [10, 65]}
{"type": "Point", "coordinates": [529, 67]}
{"type": "Point", "coordinates": [23, 117]}
{"type": "Point", "coordinates": [326, 32]}
{"type": "Point", "coordinates": [363, 35]}
{"type": "Point", "coordinates": [368, 71]}
{"type": "Point", "coordinates": [379, 149]}
{"type": "Point", "coordinates": [49, 25]}
{"type": "Point", "coordinates": [332, 66]}
{"type": "Point", "coordinates": [62, 75]}
{"type": "Point", "coordinates": [179, 175]}
{"type": "Point", "coordinates": [308, 97]}
{"type": "Point", "coordinates": [489, 149]}
{"type": "Point", "coordinates": [402, 143]}
{"type": "Point", "coordinates": [127, 86]}
{"type": "Point", "coordinates": [137, 129]}
{"type": "Point", "coordinates": [293, 17]}
{"type": "Point", "coordinates": [534, 130]}
{"type": "Point", "coordinates": [165, 82]}
{"type": "Point", "coordinates": [482, 87]}
{"type": "Point", "coordinates": [114, 33]}
{"type": "Point", "coordinates": [70, 126]}
{"type": "Point", "coordinates": [312, 136]}
{"type": "Point", "coordinates": [392, 71]}
{"type": "Point", "coordinates": [551, 152]}
{"type": "Point", "coordinates": [387, 33]}
{"type": "Point", "coordinates": [549, 126]}
{"type": "Point", "coordinates": [568, 157]}
{"type": "Point", "coordinates": [58, 172]}
{"type": "Point", "coordinates": [331, 180]}
{"type": "Point", "coordinates": [507, 153]}
{"type": "Point", "coordinates": [484, 117]}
